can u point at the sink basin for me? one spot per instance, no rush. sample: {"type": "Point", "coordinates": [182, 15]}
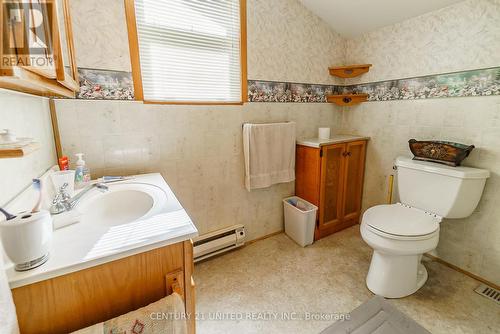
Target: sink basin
{"type": "Point", "coordinates": [117, 207]}
{"type": "Point", "coordinates": [122, 203]}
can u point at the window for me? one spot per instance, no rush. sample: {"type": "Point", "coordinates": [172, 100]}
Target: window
{"type": "Point", "coordinates": [188, 51]}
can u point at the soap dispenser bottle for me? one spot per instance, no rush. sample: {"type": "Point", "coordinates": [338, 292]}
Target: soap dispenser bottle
{"type": "Point", "coordinates": [82, 173]}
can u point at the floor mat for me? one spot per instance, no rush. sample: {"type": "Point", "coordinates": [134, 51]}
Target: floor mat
{"type": "Point", "coordinates": [376, 316]}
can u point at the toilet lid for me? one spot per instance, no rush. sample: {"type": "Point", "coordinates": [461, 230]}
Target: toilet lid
{"type": "Point", "coordinates": [401, 220]}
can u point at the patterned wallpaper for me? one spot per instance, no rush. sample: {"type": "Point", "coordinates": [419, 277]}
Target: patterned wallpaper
{"type": "Point", "coordinates": [272, 91]}
{"type": "Point", "coordinates": [117, 85]}
{"type": "Point", "coordinates": [101, 39]}
{"type": "Point", "coordinates": [464, 36]}
{"type": "Point", "coordinates": [288, 43]}
{"type": "Point", "coordinates": [105, 85]}
{"type": "Point", "coordinates": [483, 82]}
{"type": "Point", "coordinates": [279, 54]}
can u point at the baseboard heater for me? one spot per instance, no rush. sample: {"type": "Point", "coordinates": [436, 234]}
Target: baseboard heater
{"type": "Point", "coordinates": [218, 242]}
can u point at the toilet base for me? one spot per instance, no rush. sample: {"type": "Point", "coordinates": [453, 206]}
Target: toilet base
{"type": "Point", "coordinates": [395, 276]}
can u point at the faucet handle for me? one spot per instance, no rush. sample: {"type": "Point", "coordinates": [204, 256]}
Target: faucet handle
{"type": "Point", "coordinates": [63, 187]}
{"type": "Point", "coordinates": [62, 191]}
{"type": "Point", "coordinates": [60, 201]}
{"type": "Point", "coordinates": [57, 204]}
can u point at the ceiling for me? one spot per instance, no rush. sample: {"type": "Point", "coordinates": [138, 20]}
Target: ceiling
{"type": "Point", "coordinates": [351, 18]}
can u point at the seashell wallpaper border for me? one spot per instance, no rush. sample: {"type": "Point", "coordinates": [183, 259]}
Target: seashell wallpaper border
{"type": "Point", "coordinates": [105, 85]}
{"type": "Point", "coordinates": [483, 82]}
{"type": "Point", "coordinates": [116, 85]}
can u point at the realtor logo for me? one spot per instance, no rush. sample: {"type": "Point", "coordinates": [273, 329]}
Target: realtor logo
{"type": "Point", "coordinates": [27, 34]}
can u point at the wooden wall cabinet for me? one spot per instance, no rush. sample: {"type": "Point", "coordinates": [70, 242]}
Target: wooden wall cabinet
{"type": "Point", "coordinates": [76, 300]}
{"type": "Point", "coordinates": [37, 54]}
{"type": "Point", "coordinates": [331, 177]}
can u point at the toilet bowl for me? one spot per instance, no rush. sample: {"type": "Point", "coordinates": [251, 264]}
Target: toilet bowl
{"type": "Point", "coordinates": [401, 233]}
{"type": "Point", "coordinates": [395, 270]}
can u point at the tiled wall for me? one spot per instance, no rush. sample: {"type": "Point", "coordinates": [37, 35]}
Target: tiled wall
{"type": "Point", "coordinates": [456, 38]}
{"type": "Point", "coordinates": [198, 149]}
{"type": "Point", "coordinates": [26, 116]}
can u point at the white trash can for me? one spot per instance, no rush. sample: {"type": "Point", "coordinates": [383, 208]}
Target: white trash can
{"type": "Point", "coordinates": [300, 218]}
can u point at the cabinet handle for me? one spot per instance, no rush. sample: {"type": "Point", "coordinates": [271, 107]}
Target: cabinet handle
{"type": "Point", "coordinates": [349, 153]}
{"type": "Point", "coordinates": [346, 154]}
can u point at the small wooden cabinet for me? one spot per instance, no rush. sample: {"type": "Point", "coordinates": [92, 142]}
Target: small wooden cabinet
{"type": "Point", "coordinates": [331, 177]}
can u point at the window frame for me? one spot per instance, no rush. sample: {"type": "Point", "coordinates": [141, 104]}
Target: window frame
{"type": "Point", "coordinates": [133, 40]}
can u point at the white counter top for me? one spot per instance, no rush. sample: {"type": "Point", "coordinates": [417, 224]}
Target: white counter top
{"type": "Point", "coordinates": [335, 139]}
{"type": "Point", "coordinates": [81, 245]}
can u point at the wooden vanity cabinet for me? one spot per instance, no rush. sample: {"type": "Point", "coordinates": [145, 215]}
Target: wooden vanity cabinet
{"type": "Point", "coordinates": [331, 177]}
{"type": "Point", "coordinates": [66, 303]}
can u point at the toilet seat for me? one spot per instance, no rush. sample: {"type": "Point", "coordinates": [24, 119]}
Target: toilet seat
{"type": "Point", "coordinates": [402, 222]}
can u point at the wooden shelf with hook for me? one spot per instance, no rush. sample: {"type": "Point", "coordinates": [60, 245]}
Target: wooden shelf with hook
{"type": "Point", "coordinates": [349, 71]}
{"type": "Point", "coordinates": [347, 99]}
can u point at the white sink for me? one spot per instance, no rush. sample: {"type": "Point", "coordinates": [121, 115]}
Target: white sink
{"type": "Point", "coordinates": [131, 217]}
{"type": "Point", "coordinates": [122, 203]}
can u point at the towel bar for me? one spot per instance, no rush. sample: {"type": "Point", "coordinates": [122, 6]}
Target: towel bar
{"type": "Point", "coordinates": [242, 125]}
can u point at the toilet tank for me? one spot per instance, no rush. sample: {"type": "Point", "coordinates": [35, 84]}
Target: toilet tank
{"type": "Point", "coordinates": [449, 192]}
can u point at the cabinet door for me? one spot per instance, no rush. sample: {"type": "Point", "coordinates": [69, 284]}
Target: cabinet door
{"type": "Point", "coordinates": [353, 179]}
{"type": "Point", "coordinates": [66, 303]}
{"type": "Point", "coordinates": [332, 170]}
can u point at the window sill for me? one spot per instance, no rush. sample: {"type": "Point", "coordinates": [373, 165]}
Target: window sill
{"type": "Point", "coordinates": [195, 103]}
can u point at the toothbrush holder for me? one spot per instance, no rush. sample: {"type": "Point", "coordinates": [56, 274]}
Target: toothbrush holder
{"type": "Point", "coordinates": [27, 239]}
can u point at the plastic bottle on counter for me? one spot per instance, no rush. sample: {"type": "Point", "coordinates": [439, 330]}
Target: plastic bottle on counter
{"type": "Point", "coordinates": [82, 172]}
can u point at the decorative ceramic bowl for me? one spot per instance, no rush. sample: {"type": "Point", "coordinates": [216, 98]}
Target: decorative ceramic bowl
{"type": "Point", "coordinates": [443, 152]}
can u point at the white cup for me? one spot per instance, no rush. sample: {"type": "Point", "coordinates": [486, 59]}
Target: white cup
{"type": "Point", "coordinates": [324, 133]}
{"type": "Point", "coordinates": [61, 177]}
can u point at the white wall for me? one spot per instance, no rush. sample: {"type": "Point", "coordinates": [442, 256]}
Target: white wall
{"type": "Point", "coordinates": [26, 116]}
{"type": "Point", "coordinates": [461, 37]}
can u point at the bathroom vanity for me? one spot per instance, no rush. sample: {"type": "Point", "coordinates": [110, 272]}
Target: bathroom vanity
{"type": "Point", "coordinates": [73, 301]}
{"type": "Point", "coordinates": [329, 174]}
{"type": "Point", "coordinates": [130, 247]}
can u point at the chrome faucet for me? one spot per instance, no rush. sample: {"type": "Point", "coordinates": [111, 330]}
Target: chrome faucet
{"type": "Point", "coordinates": [64, 202]}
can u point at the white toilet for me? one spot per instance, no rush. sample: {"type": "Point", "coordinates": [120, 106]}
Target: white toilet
{"type": "Point", "coordinates": [400, 233]}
